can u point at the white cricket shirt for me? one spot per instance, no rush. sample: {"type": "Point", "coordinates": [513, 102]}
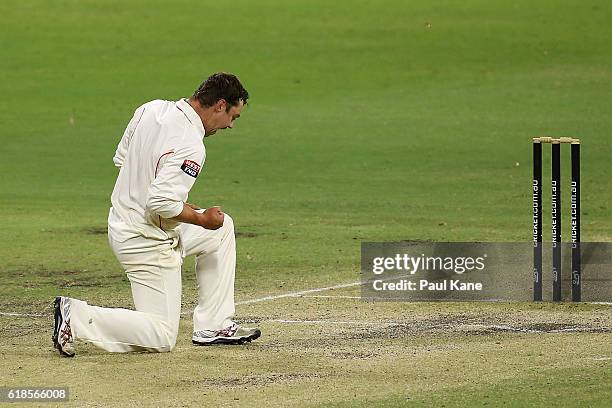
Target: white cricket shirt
{"type": "Point", "coordinates": [160, 155]}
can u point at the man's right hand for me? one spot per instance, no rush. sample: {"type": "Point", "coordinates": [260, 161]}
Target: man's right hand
{"type": "Point", "coordinates": [212, 218]}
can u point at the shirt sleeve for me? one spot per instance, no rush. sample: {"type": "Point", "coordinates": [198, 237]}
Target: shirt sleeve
{"type": "Point", "coordinates": [124, 144]}
{"type": "Point", "coordinates": [176, 174]}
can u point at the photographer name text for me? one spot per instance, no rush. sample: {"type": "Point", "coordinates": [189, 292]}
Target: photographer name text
{"type": "Point", "coordinates": [425, 285]}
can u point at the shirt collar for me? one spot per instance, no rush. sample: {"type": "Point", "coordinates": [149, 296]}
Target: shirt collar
{"type": "Point", "coordinates": [184, 106]}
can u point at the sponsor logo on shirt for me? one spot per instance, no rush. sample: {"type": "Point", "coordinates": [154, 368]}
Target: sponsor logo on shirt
{"type": "Point", "coordinates": [191, 168]}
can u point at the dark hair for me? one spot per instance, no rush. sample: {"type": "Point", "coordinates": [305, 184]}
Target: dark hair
{"type": "Point", "coordinates": [221, 86]}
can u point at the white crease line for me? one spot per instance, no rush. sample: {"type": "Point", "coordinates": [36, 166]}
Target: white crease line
{"type": "Point", "coordinates": [350, 322]}
{"type": "Point", "coordinates": [332, 297]}
{"type": "Point", "coordinates": [523, 330]}
{"type": "Point", "coordinates": [602, 358]}
{"type": "Point", "coordinates": [288, 295]}
{"type": "Point", "coordinates": [505, 327]}
{"type": "Point", "coordinates": [298, 294]}
{"type": "Point", "coordinates": [578, 329]}
{"type": "Point", "coordinates": [304, 292]}
{"type": "Point", "coordinates": [435, 326]}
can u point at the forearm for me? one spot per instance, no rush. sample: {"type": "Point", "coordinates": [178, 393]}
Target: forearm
{"type": "Point", "coordinates": [211, 218]}
{"type": "Point", "coordinates": [193, 206]}
{"type": "Point", "coordinates": [189, 215]}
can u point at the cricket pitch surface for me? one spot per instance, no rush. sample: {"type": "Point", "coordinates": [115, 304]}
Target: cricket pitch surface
{"type": "Point", "coordinates": [330, 348]}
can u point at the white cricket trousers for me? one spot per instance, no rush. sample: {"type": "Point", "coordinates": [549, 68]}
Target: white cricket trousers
{"type": "Point", "coordinates": [154, 270]}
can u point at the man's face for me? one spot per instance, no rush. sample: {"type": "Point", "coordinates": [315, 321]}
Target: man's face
{"type": "Point", "coordinates": [223, 118]}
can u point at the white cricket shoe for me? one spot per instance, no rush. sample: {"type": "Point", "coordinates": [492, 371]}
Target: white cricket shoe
{"type": "Point", "coordinates": [62, 333]}
{"type": "Point", "coordinates": [233, 334]}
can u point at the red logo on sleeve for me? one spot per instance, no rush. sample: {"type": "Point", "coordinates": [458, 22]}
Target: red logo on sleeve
{"type": "Point", "coordinates": [191, 168]}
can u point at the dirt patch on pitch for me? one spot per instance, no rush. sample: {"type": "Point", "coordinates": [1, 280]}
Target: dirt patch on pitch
{"type": "Point", "coordinates": [259, 380]}
{"type": "Point", "coordinates": [246, 320]}
{"type": "Point", "coordinates": [81, 283]}
{"type": "Point", "coordinates": [245, 234]}
{"type": "Point", "coordinates": [12, 328]}
{"type": "Point", "coordinates": [321, 333]}
{"type": "Point", "coordinates": [551, 328]}
{"type": "Point", "coordinates": [96, 230]}
{"type": "Point", "coordinates": [47, 273]}
{"type": "Point", "coordinates": [353, 355]}
{"type": "Point", "coordinates": [473, 326]}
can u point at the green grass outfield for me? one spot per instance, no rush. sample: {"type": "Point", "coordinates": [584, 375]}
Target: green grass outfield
{"type": "Point", "coordinates": [369, 121]}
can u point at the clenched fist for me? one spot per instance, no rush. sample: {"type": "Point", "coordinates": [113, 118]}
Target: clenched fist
{"type": "Point", "coordinates": [212, 218]}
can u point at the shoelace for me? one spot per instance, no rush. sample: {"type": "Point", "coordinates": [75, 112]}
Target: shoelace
{"type": "Point", "coordinates": [228, 331]}
{"type": "Point", "coordinates": [66, 334]}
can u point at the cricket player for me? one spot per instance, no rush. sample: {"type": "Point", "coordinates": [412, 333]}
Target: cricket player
{"type": "Point", "coordinates": [152, 227]}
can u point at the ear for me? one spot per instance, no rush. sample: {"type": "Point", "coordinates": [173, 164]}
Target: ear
{"type": "Point", "coordinates": [220, 105]}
